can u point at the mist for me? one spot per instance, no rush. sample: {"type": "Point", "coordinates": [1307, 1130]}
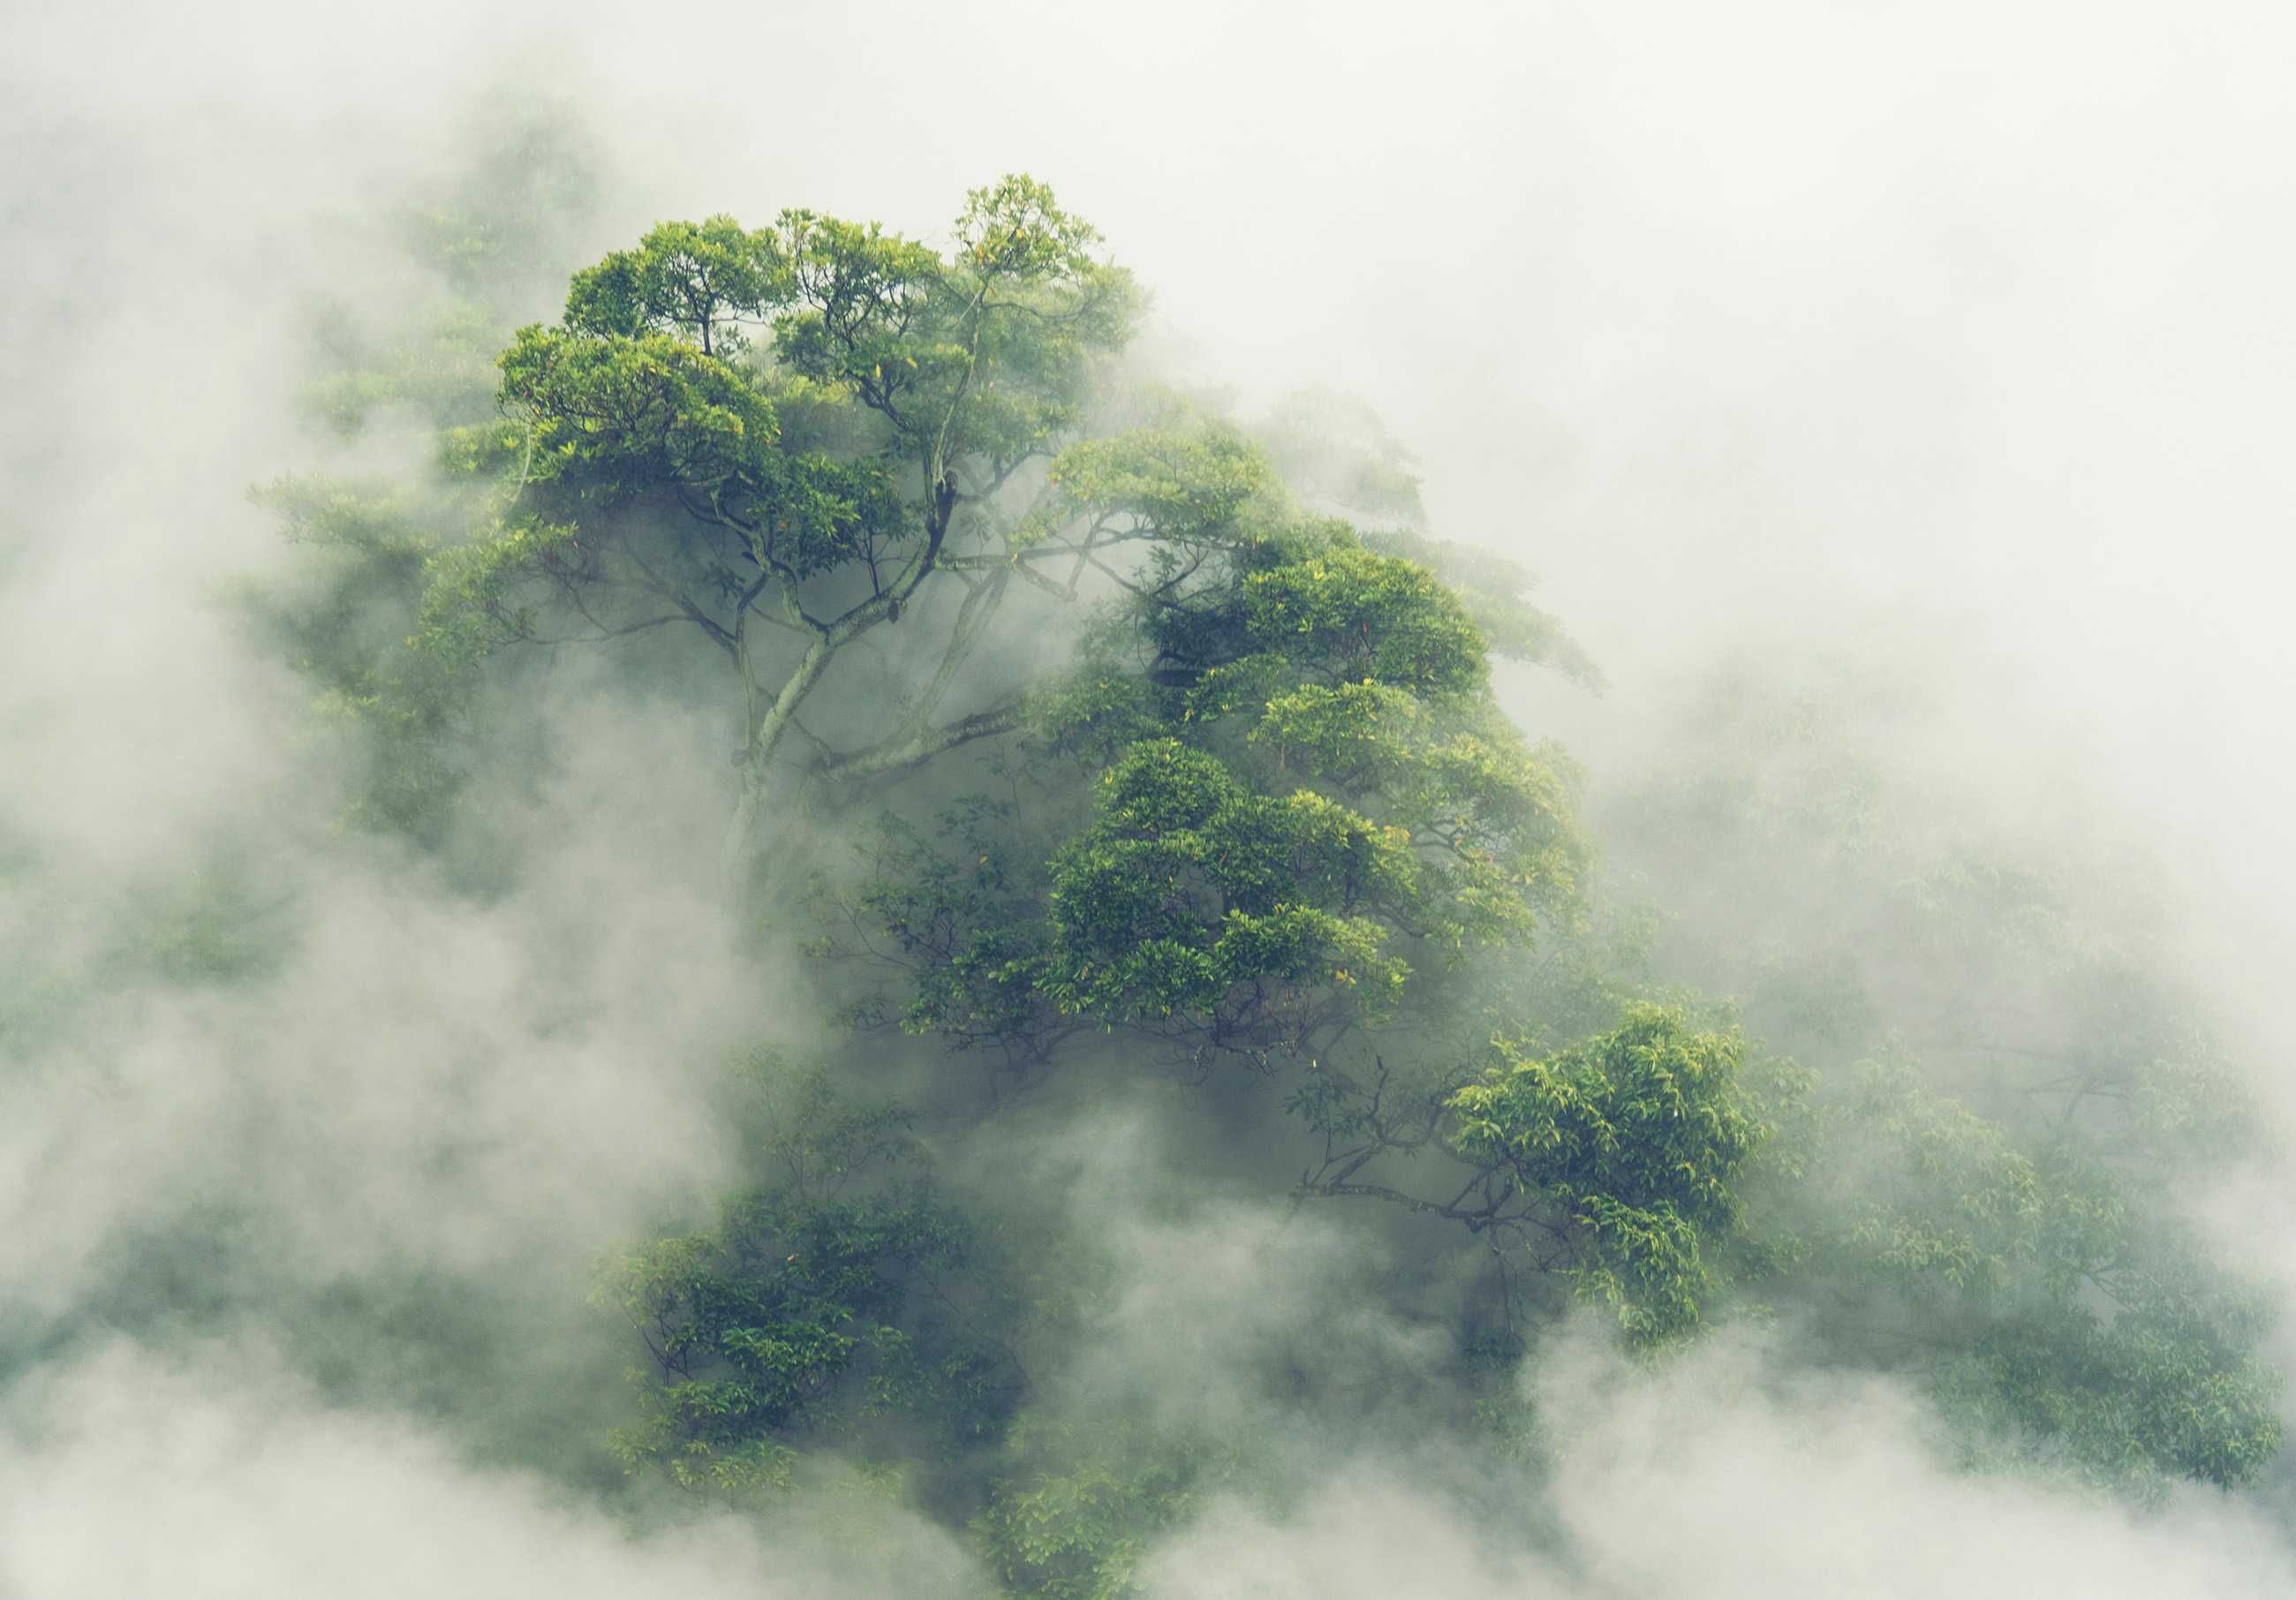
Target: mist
{"type": "Point", "coordinates": [1884, 398]}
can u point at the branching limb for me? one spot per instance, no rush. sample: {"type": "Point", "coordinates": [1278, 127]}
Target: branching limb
{"type": "Point", "coordinates": [922, 745]}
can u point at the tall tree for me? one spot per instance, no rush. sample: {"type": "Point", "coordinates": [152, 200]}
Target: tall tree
{"type": "Point", "coordinates": [786, 439]}
{"type": "Point", "coordinates": [1135, 739]}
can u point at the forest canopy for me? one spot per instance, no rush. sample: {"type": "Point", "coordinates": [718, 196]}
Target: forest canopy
{"type": "Point", "coordinates": [1086, 740]}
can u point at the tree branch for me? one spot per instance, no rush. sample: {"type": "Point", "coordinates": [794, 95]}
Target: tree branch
{"type": "Point", "coordinates": [921, 745]}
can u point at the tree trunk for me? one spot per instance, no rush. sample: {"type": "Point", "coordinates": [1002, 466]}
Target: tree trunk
{"type": "Point", "coordinates": [739, 849]}
{"type": "Point", "coordinates": [737, 855]}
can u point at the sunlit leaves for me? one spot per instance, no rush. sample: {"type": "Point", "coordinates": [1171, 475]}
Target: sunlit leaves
{"type": "Point", "coordinates": [981, 353]}
{"type": "Point", "coordinates": [1358, 614]}
{"type": "Point", "coordinates": [634, 412]}
{"type": "Point", "coordinates": [1189, 481]}
{"type": "Point", "coordinates": [701, 281]}
{"type": "Point", "coordinates": [857, 315]}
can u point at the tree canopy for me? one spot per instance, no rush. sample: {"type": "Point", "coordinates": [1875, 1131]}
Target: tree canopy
{"type": "Point", "coordinates": [1083, 731]}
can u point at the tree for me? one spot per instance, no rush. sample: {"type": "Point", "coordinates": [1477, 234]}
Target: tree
{"type": "Point", "coordinates": [784, 440]}
{"type": "Point", "coordinates": [1150, 758]}
{"type": "Point", "coordinates": [1302, 816]}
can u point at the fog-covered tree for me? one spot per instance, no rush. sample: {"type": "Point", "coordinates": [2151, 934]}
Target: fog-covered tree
{"type": "Point", "coordinates": [2023, 1090]}
{"type": "Point", "coordinates": [786, 439]}
{"type": "Point", "coordinates": [1084, 731]}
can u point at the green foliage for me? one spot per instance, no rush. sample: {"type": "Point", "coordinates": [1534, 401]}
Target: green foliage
{"type": "Point", "coordinates": [2164, 1383]}
{"type": "Point", "coordinates": [809, 1308]}
{"type": "Point", "coordinates": [485, 238]}
{"type": "Point", "coordinates": [371, 549]}
{"type": "Point", "coordinates": [1635, 1136]}
{"type": "Point", "coordinates": [1188, 887]}
{"type": "Point", "coordinates": [909, 333]}
{"type": "Point", "coordinates": [1974, 1212]}
{"type": "Point", "coordinates": [1236, 787]}
{"type": "Point", "coordinates": [617, 420]}
{"type": "Point", "coordinates": [2056, 1313]}
{"type": "Point", "coordinates": [1076, 1525]}
{"type": "Point", "coordinates": [1347, 614]}
{"type": "Point", "coordinates": [1091, 713]}
{"type": "Point", "coordinates": [698, 281]}
{"type": "Point", "coordinates": [1491, 589]}
{"type": "Point", "coordinates": [442, 373]}
{"type": "Point", "coordinates": [470, 604]}
{"type": "Point", "coordinates": [1329, 790]}
{"type": "Point", "coordinates": [782, 440]}
{"type": "Point", "coordinates": [492, 231]}
{"type": "Point", "coordinates": [1187, 479]}
{"type": "Point", "coordinates": [1995, 1208]}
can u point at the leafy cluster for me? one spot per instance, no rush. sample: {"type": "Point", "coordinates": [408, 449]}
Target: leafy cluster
{"type": "Point", "coordinates": [1300, 794]}
{"type": "Point", "coordinates": [1636, 1138]}
{"type": "Point", "coordinates": [1078, 1520]}
{"type": "Point", "coordinates": [811, 1308]}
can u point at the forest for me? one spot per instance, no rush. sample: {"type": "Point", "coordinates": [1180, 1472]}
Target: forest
{"type": "Point", "coordinates": [904, 949]}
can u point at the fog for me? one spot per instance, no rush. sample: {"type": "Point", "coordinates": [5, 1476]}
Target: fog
{"type": "Point", "coordinates": [1923, 365]}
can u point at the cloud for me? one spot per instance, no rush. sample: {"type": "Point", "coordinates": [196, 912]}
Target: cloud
{"type": "Point", "coordinates": [217, 1472]}
{"type": "Point", "coordinates": [1730, 1475]}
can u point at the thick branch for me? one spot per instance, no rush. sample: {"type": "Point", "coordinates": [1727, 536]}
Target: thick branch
{"type": "Point", "coordinates": [1476, 1218]}
{"type": "Point", "coordinates": [605, 633]}
{"type": "Point", "coordinates": [981, 603]}
{"type": "Point", "coordinates": [922, 745]}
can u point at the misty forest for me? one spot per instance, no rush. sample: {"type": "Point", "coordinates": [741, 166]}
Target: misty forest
{"type": "Point", "coordinates": [902, 943]}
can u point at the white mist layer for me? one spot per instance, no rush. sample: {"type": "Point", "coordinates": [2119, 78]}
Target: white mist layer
{"type": "Point", "coordinates": [216, 1475]}
{"type": "Point", "coordinates": [1727, 1476]}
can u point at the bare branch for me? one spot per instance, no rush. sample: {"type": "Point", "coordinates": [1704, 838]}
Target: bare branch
{"type": "Point", "coordinates": [914, 749]}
